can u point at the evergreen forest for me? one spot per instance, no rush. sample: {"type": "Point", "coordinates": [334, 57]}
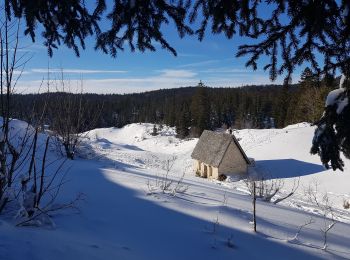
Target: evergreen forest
{"type": "Point", "coordinates": [190, 109]}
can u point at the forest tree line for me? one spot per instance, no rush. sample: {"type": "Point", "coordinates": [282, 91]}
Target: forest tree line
{"type": "Point", "coordinates": [190, 109]}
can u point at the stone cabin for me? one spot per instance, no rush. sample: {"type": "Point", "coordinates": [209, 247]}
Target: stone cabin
{"type": "Point", "coordinates": [219, 154]}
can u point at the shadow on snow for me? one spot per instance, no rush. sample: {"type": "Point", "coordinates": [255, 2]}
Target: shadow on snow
{"type": "Point", "coordinates": [116, 220]}
{"type": "Point", "coordinates": [286, 168]}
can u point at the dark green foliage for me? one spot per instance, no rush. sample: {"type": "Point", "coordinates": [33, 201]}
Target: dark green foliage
{"type": "Point", "coordinates": [229, 106]}
{"type": "Point", "coordinates": [154, 131]}
{"type": "Point", "coordinates": [313, 27]}
{"type": "Point", "coordinates": [138, 24]}
{"type": "Point", "coordinates": [289, 32]}
{"type": "Point", "coordinates": [332, 135]}
{"type": "Point", "coordinates": [326, 143]}
{"type": "Point", "coordinates": [183, 122]}
{"type": "Point", "coordinates": [66, 22]}
{"type": "Point", "coordinates": [189, 109]}
{"type": "Point", "coordinates": [200, 110]}
{"type": "Point", "coordinates": [307, 102]}
{"type": "Point", "coordinates": [70, 22]}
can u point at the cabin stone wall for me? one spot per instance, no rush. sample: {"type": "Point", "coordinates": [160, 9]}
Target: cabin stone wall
{"type": "Point", "coordinates": [233, 162]}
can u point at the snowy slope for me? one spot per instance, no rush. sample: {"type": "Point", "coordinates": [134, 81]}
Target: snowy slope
{"type": "Point", "coordinates": [284, 153]}
{"type": "Point", "coordinates": [121, 218]}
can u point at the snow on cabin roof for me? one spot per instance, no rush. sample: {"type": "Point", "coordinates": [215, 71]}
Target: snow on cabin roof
{"type": "Point", "coordinates": [212, 146]}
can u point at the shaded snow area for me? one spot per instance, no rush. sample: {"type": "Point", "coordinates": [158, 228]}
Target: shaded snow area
{"type": "Point", "coordinates": [143, 201]}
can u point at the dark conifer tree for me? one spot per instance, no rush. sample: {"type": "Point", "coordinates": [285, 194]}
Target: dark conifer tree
{"type": "Point", "coordinates": [332, 135]}
{"type": "Point", "coordinates": [154, 130]}
{"type": "Point", "coordinates": [310, 103]}
{"type": "Point", "coordinates": [200, 110]}
{"type": "Point", "coordinates": [282, 105]}
{"type": "Point", "coordinates": [183, 122]}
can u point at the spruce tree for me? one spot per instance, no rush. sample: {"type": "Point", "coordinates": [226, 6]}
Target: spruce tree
{"type": "Point", "coordinates": [310, 104]}
{"type": "Point", "coordinates": [332, 135]}
{"type": "Point", "coordinates": [282, 105]}
{"type": "Point", "coordinates": [154, 130]}
{"type": "Point", "coordinates": [200, 110]}
{"type": "Point", "coordinates": [183, 122]}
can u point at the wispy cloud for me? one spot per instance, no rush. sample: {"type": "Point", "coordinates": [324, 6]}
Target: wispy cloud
{"type": "Point", "coordinates": [177, 73]}
{"type": "Point", "coordinates": [20, 72]}
{"type": "Point", "coordinates": [190, 55]}
{"type": "Point", "coordinates": [167, 78]}
{"type": "Point", "coordinates": [29, 48]}
{"type": "Point", "coordinates": [240, 80]}
{"type": "Point", "coordinates": [161, 79]}
{"type": "Point", "coordinates": [25, 50]}
{"type": "Point", "coordinates": [229, 70]}
{"type": "Point", "coordinates": [76, 71]}
{"type": "Point", "coordinates": [200, 63]}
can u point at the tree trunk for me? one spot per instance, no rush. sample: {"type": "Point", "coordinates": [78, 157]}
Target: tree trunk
{"type": "Point", "coordinates": [69, 153]}
{"type": "Point", "coordinates": [254, 205]}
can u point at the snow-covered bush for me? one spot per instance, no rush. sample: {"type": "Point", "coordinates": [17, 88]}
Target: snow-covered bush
{"type": "Point", "coordinates": [332, 135]}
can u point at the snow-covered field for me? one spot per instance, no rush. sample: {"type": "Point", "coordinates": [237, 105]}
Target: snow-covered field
{"type": "Point", "coordinates": [125, 214]}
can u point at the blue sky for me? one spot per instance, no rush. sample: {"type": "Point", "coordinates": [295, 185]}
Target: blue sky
{"type": "Point", "coordinates": [213, 61]}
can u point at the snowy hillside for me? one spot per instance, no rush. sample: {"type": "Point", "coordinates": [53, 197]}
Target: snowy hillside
{"type": "Point", "coordinates": [127, 215]}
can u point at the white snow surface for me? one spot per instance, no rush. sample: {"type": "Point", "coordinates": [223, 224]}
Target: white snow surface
{"type": "Point", "coordinates": [121, 218]}
{"type": "Point", "coordinates": [337, 97]}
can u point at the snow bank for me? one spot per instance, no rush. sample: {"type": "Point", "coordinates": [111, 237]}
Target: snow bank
{"type": "Point", "coordinates": [299, 125]}
{"type": "Point", "coordinates": [118, 220]}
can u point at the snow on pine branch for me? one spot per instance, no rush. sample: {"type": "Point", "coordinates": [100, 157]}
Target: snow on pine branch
{"type": "Point", "coordinates": [338, 97]}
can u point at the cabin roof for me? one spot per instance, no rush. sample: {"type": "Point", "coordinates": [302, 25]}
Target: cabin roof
{"type": "Point", "coordinates": [212, 146]}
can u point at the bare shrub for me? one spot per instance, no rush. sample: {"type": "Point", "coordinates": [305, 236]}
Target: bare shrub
{"type": "Point", "coordinates": [13, 142]}
{"type": "Point", "coordinates": [25, 183]}
{"type": "Point", "coordinates": [230, 243]}
{"type": "Point", "coordinates": [70, 115]}
{"type": "Point", "coordinates": [40, 188]}
{"type": "Point", "coordinates": [214, 228]}
{"type": "Point", "coordinates": [216, 224]}
{"type": "Point", "coordinates": [180, 187]}
{"type": "Point", "coordinates": [325, 208]}
{"type": "Point", "coordinates": [291, 193]}
{"type": "Point", "coordinates": [268, 189]}
{"type": "Point", "coordinates": [166, 185]}
{"type": "Point", "coordinates": [308, 222]}
{"type": "Point", "coordinates": [264, 189]}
